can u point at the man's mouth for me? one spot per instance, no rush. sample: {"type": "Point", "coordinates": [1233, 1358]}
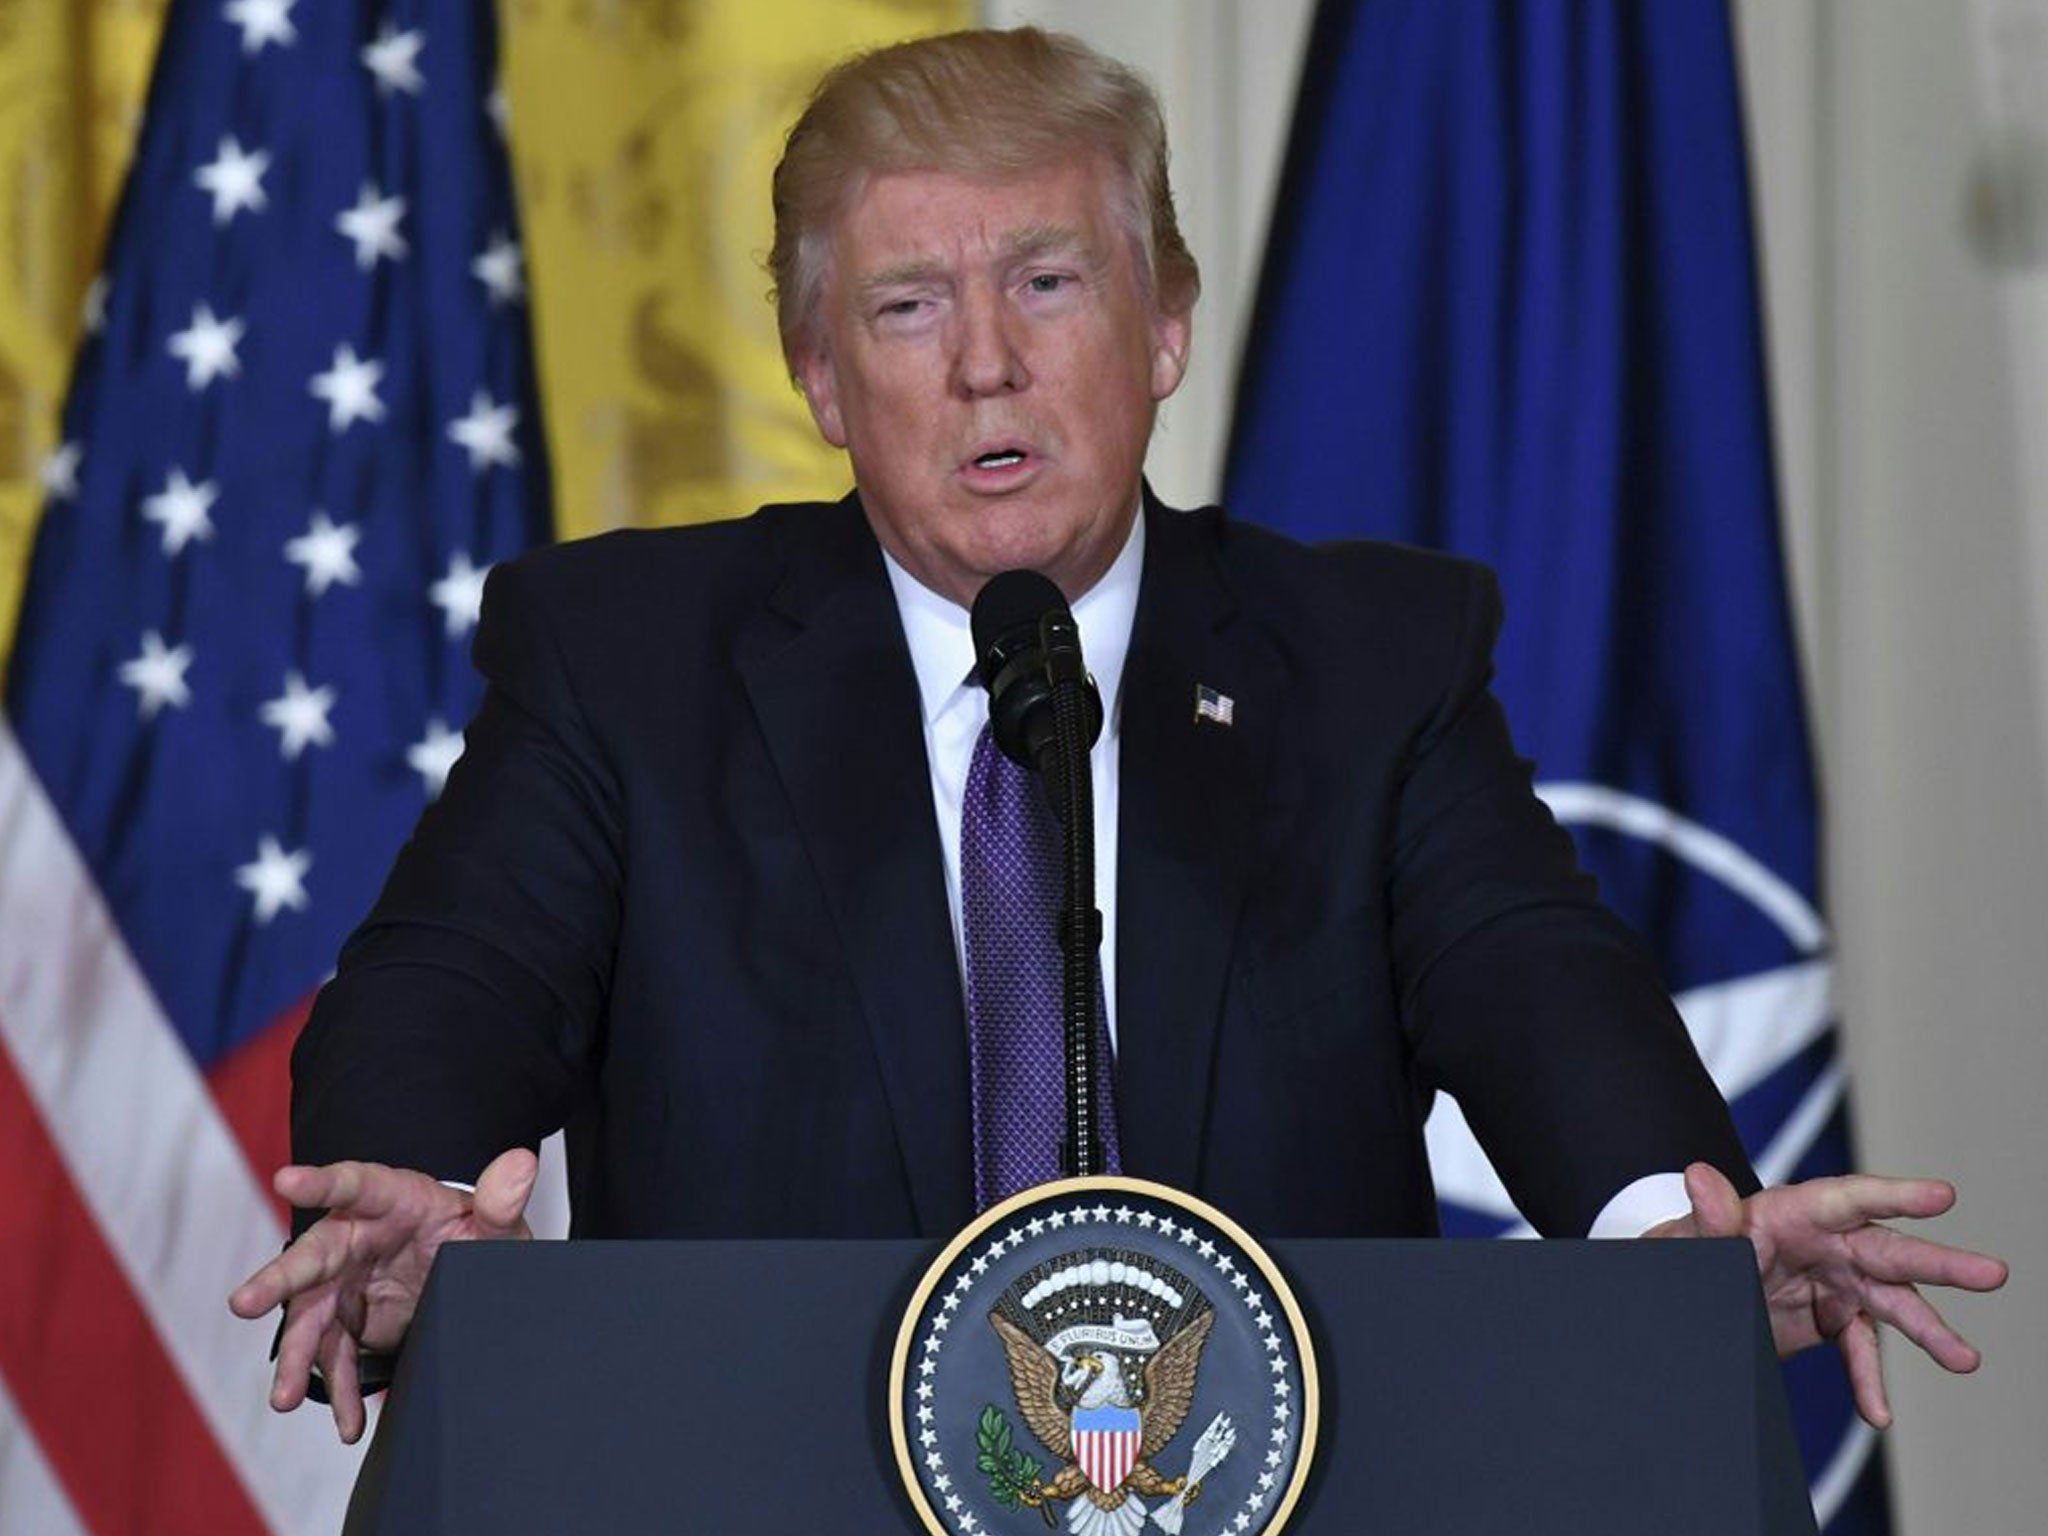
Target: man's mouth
{"type": "Point", "coordinates": [997, 466]}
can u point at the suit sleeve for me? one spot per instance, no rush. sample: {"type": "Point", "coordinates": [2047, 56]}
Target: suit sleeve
{"type": "Point", "coordinates": [465, 1008]}
{"type": "Point", "coordinates": [1524, 997]}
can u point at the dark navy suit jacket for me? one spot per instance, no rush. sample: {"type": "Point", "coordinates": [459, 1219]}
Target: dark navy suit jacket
{"type": "Point", "coordinates": [683, 893]}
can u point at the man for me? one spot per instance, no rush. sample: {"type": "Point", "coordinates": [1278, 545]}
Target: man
{"type": "Point", "coordinates": [709, 919]}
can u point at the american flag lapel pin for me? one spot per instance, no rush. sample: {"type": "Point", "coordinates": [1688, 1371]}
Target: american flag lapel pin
{"type": "Point", "coordinates": [1213, 707]}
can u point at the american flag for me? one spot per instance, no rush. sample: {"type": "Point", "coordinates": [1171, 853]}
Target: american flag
{"type": "Point", "coordinates": [301, 427]}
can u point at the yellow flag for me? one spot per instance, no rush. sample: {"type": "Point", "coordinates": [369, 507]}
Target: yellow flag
{"type": "Point", "coordinates": [643, 136]}
{"type": "Point", "coordinates": [73, 76]}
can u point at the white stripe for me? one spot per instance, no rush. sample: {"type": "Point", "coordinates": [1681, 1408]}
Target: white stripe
{"type": "Point", "coordinates": [1462, 1172]}
{"type": "Point", "coordinates": [1834, 1484]}
{"type": "Point", "coordinates": [1775, 1164]}
{"type": "Point", "coordinates": [1709, 851]}
{"type": "Point", "coordinates": [30, 1499]}
{"type": "Point", "coordinates": [1745, 1029]}
{"type": "Point", "coordinates": [156, 1163]}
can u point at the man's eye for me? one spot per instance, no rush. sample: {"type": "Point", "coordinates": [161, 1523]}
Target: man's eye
{"type": "Point", "coordinates": [1048, 282]}
{"type": "Point", "coordinates": [903, 307]}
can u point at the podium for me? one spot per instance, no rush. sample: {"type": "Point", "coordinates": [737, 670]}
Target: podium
{"type": "Point", "coordinates": [1575, 1388]}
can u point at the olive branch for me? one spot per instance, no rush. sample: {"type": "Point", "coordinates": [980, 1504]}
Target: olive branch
{"type": "Point", "coordinates": [1011, 1473]}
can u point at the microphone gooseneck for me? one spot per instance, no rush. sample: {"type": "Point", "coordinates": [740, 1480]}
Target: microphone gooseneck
{"type": "Point", "coordinates": [1045, 714]}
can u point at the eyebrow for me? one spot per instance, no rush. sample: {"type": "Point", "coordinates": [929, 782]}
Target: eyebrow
{"type": "Point", "coordinates": [1045, 240]}
{"type": "Point", "coordinates": [916, 272]}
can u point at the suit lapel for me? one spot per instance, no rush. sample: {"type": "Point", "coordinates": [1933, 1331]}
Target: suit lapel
{"type": "Point", "coordinates": [829, 676]}
{"type": "Point", "coordinates": [1190, 793]}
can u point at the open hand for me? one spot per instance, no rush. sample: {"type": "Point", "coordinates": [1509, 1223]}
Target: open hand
{"type": "Point", "coordinates": [1831, 1271]}
{"type": "Point", "coordinates": [353, 1279]}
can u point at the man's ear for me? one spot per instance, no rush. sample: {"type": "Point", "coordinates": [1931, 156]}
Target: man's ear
{"type": "Point", "coordinates": [819, 381]}
{"type": "Point", "coordinates": [1171, 337]}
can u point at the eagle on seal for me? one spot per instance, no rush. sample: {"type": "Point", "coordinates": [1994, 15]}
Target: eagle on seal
{"type": "Point", "coordinates": [1050, 1388]}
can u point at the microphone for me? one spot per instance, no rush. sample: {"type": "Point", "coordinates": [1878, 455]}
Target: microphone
{"type": "Point", "coordinates": [1027, 646]}
{"type": "Point", "coordinates": [1045, 714]}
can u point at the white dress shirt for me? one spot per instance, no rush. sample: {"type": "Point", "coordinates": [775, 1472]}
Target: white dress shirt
{"type": "Point", "coordinates": [956, 708]}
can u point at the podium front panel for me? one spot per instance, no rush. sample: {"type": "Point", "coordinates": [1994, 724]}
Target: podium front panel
{"type": "Point", "coordinates": [1542, 1387]}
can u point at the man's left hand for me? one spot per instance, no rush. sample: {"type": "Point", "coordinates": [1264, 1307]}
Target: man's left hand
{"type": "Point", "coordinates": [1831, 1271]}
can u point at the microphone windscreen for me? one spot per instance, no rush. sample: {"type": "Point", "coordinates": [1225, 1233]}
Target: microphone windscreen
{"type": "Point", "coordinates": [1009, 607]}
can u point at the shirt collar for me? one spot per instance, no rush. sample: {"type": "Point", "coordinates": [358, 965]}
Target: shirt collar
{"type": "Point", "coordinates": [942, 640]}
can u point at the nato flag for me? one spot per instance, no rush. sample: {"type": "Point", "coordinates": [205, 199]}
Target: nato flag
{"type": "Point", "coordinates": [1509, 309]}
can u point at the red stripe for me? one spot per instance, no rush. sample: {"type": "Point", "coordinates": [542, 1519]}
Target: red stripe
{"type": "Point", "coordinates": [252, 1085]}
{"type": "Point", "coordinates": [86, 1370]}
{"type": "Point", "coordinates": [1107, 1456]}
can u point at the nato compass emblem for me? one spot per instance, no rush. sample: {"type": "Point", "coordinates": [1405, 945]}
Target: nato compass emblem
{"type": "Point", "coordinates": [1106, 1356]}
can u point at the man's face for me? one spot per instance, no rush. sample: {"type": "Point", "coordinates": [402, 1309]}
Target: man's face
{"type": "Point", "coordinates": [989, 357]}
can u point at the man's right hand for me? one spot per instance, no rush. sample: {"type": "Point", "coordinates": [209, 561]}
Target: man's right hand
{"type": "Point", "coordinates": [353, 1279]}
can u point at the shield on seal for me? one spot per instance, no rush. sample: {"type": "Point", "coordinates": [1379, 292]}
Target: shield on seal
{"type": "Point", "coordinates": [1106, 1444]}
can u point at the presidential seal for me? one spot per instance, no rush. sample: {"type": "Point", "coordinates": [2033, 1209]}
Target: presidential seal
{"type": "Point", "coordinates": [1103, 1356]}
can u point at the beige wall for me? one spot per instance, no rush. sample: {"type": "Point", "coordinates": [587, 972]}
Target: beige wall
{"type": "Point", "coordinates": [1918, 513]}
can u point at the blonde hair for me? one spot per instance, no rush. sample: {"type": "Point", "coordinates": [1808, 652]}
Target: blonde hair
{"type": "Point", "coordinates": [980, 104]}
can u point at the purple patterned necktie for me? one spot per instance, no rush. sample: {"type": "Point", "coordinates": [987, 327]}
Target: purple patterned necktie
{"type": "Point", "coordinates": [1011, 890]}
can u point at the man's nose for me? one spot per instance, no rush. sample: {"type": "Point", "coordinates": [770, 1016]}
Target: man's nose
{"type": "Point", "coordinates": [989, 359]}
